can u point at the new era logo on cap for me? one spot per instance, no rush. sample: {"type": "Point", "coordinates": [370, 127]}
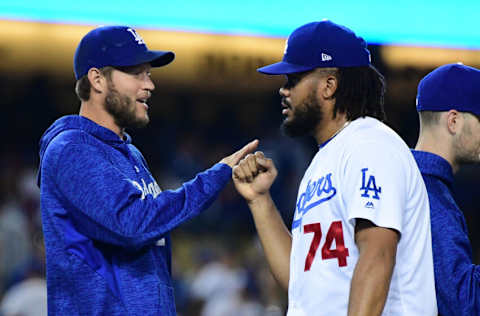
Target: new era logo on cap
{"type": "Point", "coordinates": [326, 57]}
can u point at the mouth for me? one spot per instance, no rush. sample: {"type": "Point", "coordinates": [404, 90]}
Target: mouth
{"type": "Point", "coordinates": [143, 102]}
{"type": "Point", "coordinates": [285, 108]}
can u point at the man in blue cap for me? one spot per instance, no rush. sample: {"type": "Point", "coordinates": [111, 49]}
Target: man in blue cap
{"type": "Point", "coordinates": [448, 103]}
{"type": "Point", "coordinates": [105, 220]}
{"type": "Point", "coordinates": [360, 242]}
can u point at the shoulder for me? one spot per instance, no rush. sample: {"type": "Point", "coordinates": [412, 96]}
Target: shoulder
{"type": "Point", "coordinates": [372, 139]}
{"type": "Point", "coordinates": [444, 211]}
{"type": "Point", "coordinates": [67, 143]}
{"type": "Point", "coordinates": [374, 149]}
{"type": "Point", "coordinates": [369, 130]}
{"type": "Point", "coordinates": [72, 136]}
{"type": "Point", "coordinates": [440, 196]}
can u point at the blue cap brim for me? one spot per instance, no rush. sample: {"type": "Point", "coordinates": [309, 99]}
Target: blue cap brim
{"type": "Point", "coordinates": [158, 58]}
{"type": "Point", "coordinates": [154, 58]}
{"type": "Point", "coordinates": [283, 68]}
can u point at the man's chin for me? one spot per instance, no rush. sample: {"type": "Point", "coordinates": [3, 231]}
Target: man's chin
{"type": "Point", "coordinates": [144, 120]}
{"type": "Point", "coordinates": [141, 122]}
{"type": "Point", "coordinates": [137, 123]}
{"type": "Point", "coordinates": [292, 130]}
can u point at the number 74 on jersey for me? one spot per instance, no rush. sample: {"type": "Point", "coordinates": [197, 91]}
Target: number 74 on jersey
{"type": "Point", "coordinates": [335, 232]}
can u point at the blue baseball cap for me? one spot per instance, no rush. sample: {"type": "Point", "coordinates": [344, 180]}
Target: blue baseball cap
{"type": "Point", "coordinates": [319, 45]}
{"type": "Point", "coordinates": [450, 87]}
{"type": "Point", "coordinates": [116, 46]}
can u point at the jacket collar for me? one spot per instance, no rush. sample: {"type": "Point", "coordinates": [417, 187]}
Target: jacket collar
{"type": "Point", "coordinates": [434, 165]}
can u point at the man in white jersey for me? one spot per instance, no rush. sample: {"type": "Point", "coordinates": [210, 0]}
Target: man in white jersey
{"type": "Point", "coordinates": [360, 242]}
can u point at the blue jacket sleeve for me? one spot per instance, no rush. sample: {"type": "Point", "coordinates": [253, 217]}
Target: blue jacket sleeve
{"type": "Point", "coordinates": [457, 280]}
{"type": "Point", "coordinates": [107, 207]}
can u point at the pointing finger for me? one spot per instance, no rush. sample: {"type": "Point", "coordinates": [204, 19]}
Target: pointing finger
{"type": "Point", "coordinates": [248, 148]}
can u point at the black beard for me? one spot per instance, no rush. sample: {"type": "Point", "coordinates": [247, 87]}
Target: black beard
{"type": "Point", "coordinates": [304, 118]}
{"type": "Point", "coordinates": [122, 109]}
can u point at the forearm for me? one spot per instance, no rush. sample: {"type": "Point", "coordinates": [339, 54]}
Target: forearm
{"type": "Point", "coordinates": [114, 209]}
{"type": "Point", "coordinates": [274, 236]}
{"type": "Point", "coordinates": [370, 284]}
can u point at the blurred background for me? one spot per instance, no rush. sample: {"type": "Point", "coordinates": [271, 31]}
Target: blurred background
{"type": "Point", "coordinates": [208, 103]}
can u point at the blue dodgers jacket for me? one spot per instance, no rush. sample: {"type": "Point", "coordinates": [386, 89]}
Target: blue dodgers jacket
{"type": "Point", "coordinates": [106, 222]}
{"type": "Point", "coordinates": [457, 280]}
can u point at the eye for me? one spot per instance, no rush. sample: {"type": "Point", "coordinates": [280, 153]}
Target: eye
{"type": "Point", "coordinates": [137, 71]}
{"type": "Point", "coordinates": [292, 81]}
{"type": "Point", "coordinates": [141, 74]}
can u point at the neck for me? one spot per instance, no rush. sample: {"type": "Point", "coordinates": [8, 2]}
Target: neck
{"type": "Point", "coordinates": [96, 112]}
{"type": "Point", "coordinates": [440, 145]}
{"type": "Point", "coordinates": [327, 129]}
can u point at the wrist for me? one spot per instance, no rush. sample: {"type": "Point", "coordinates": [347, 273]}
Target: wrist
{"type": "Point", "coordinates": [261, 200]}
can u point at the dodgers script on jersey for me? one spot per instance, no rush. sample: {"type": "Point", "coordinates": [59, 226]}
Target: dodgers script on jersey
{"type": "Point", "coordinates": [367, 172]}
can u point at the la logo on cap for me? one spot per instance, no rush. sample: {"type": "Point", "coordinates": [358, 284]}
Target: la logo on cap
{"type": "Point", "coordinates": [137, 37]}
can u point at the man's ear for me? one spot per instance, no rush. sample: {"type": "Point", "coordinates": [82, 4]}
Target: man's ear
{"type": "Point", "coordinates": [454, 121]}
{"type": "Point", "coordinates": [331, 85]}
{"type": "Point", "coordinates": [97, 80]}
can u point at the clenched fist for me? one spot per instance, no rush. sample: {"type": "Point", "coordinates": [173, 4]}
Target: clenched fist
{"type": "Point", "coordinates": [254, 175]}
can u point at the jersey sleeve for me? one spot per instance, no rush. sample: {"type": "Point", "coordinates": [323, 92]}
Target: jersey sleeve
{"type": "Point", "coordinates": [376, 185]}
{"type": "Point", "coordinates": [109, 208]}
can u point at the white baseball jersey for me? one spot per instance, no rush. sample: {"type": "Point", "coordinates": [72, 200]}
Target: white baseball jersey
{"type": "Point", "coordinates": [367, 172]}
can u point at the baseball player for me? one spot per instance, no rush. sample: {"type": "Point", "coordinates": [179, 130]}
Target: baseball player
{"type": "Point", "coordinates": [360, 241]}
{"type": "Point", "coordinates": [105, 220]}
{"type": "Point", "coordinates": [448, 103]}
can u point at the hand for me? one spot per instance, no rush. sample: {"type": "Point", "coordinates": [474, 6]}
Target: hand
{"type": "Point", "coordinates": [234, 158]}
{"type": "Point", "coordinates": [254, 176]}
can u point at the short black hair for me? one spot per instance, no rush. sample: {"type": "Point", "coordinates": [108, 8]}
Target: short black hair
{"type": "Point", "coordinates": [360, 93]}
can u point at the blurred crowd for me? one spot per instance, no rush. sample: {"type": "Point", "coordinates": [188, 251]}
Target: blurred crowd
{"type": "Point", "coordinates": [218, 265]}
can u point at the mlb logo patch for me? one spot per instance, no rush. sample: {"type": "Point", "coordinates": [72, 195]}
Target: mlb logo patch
{"type": "Point", "coordinates": [369, 204]}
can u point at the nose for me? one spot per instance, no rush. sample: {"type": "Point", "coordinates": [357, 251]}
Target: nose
{"type": "Point", "coordinates": [149, 85]}
{"type": "Point", "coordinates": [284, 92]}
